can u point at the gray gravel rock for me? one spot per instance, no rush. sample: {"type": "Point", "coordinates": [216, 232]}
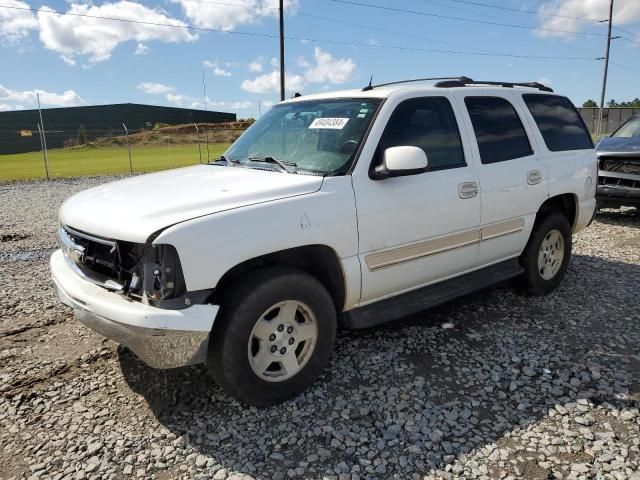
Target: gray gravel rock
{"type": "Point", "coordinates": [520, 387]}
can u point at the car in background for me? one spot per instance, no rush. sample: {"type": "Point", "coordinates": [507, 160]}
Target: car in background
{"type": "Point", "coordinates": [619, 167]}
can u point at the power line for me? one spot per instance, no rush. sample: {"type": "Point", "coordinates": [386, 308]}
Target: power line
{"type": "Point", "coordinates": [635, 34]}
{"type": "Point", "coordinates": [629, 39]}
{"type": "Point", "coordinates": [533, 12]}
{"type": "Point", "coordinates": [466, 10]}
{"type": "Point", "coordinates": [382, 30]}
{"type": "Point", "coordinates": [625, 66]}
{"type": "Point", "coordinates": [519, 10]}
{"type": "Point", "coordinates": [307, 39]}
{"type": "Point", "coordinates": [463, 19]}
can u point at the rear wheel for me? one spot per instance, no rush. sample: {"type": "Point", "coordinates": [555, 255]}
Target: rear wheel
{"type": "Point", "coordinates": [546, 256]}
{"type": "Point", "coordinates": [274, 336]}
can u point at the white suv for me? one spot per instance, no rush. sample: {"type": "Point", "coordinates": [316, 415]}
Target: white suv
{"type": "Point", "coordinates": [356, 207]}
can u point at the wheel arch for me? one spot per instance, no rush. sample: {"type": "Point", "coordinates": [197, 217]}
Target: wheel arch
{"type": "Point", "coordinates": [319, 261]}
{"type": "Point", "coordinates": [566, 203]}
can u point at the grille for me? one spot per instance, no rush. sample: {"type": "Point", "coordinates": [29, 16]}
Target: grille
{"type": "Point", "coordinates": [105, 262]}
{"type": "Point", "coordinates": [620, 165]}
{"type": "Point", "coordinates": [618, 182]}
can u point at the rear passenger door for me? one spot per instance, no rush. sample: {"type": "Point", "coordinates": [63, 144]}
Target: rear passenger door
{"type": "Point", "coordinates": [513, 180]}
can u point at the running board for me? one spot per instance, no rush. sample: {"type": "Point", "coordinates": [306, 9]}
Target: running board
{"type": "Point", "coordinates": [424, 298]}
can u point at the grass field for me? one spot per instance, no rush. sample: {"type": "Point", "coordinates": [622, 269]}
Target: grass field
{"type": "Point", "coordinates": [79, 161]}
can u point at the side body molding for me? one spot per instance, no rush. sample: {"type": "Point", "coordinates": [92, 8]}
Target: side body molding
{"type": "Point", "coordinates": [406, 253]}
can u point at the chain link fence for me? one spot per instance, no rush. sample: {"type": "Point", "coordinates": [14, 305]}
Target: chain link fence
{"type": "Point", "coordinates": [612, 118]}
{"type": "Point", "coordinates": [59, 150]}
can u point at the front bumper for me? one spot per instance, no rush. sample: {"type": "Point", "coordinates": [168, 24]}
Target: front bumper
{"type": "Point", "coordinates": [618, 189]}
{"type": "Point", "coordinates": [161, 338]}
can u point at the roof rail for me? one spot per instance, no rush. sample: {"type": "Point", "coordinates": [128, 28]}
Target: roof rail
{"type": "Point", "coordinates": [464, 81]}
{"type": "Point", "coordinates": [457, 79]}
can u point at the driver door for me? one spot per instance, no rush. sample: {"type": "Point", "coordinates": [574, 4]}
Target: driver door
{"type": "Point", "coordinates": [418, 229]}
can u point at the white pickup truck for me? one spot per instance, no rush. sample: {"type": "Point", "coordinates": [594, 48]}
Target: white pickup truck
{"type": "Point", "coordinates": [350, 208]}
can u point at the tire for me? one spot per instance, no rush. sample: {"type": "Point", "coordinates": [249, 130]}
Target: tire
{"type": "Point", "coordinates": [555, 232]}
{"type": "Point", "coordinates": [248, 328]}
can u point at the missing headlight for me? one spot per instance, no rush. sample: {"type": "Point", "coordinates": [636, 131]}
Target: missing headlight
{"type": "Point", "coordinates": [162, 274]}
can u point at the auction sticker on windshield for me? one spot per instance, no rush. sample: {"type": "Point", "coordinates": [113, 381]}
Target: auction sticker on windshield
{"type": "Point", "coordinates": [334, 123]}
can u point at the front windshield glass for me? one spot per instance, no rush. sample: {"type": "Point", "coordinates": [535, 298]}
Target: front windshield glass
{"type": "Point", "coordinates": [629, 129]}
{"type": "Point", "coordinates": [317, 135]}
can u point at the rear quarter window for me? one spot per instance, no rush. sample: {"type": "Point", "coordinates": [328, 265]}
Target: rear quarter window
{"type": "Point", "coordinates": [560, 124]}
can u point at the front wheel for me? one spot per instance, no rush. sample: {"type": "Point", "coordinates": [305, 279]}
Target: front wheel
{"type": "Point", "coordinates": [274, 336]}
{"type": "Point", "coordinates": [546, 256]}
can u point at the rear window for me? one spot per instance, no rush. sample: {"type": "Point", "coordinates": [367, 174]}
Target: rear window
{"type": "Point", "coordinates": [559, 122]}
{"type": "Point", "coordinates": [498, 129]}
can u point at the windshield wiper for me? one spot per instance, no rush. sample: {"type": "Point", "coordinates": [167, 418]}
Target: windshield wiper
{"type": "Point", "coordinates": [285, 165]}
{"type": "Point", "coordinates": [228, 161]}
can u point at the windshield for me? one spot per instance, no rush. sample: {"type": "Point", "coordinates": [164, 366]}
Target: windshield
{"type": "Point", "coordinates": [629, 129]}
{"type": "Point", "coordinates": [317, 135]}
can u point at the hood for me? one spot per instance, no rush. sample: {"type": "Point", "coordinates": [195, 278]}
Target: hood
{"type": "Point", "coordinates": [137, 207]}
{"type": "Point", "coordinates": [613, 145]}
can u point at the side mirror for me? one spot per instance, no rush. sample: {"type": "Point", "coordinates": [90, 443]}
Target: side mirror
{"type": "Point", "coordinates": [401, 161]}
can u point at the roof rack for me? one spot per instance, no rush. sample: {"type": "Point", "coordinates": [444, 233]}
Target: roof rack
{"type": "Point", "coordinates": [456, 79]}
{"type": "Point", "coordinates": [464, 81]}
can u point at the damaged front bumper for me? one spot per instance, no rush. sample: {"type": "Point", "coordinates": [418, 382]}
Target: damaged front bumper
{"type": "Point", "coordinates": [162, 338]}
{"type": "Point", "coordinates": [618, 189]}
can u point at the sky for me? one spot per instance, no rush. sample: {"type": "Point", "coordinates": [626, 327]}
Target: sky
{"type": "Point", "coordinates": [78, 59]}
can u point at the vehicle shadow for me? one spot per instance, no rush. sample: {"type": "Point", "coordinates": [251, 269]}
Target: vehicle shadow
{"type": "Point", "coordinates": [412, 396]}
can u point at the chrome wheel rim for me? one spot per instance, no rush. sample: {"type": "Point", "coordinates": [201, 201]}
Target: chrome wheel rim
{"type": "Point", "coordinates": [282, 341]}
{"type": "Point", "coordinates": [551, 254]}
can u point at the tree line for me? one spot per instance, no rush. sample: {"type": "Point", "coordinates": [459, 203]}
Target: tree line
{"type": "Point", "coordinates": [612, 103]}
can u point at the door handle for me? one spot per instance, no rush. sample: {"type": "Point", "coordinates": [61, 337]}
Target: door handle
{"type": "Point", "coordinates": [468, 190]}
{"type": "Point", "coordinates": [534, 177]}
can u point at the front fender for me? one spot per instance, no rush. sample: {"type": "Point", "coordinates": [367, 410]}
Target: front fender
{"type": "Point", "coordinates": [210, 246]}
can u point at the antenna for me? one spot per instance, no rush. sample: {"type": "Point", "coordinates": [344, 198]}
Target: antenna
{"type": "Point", "coordinates": [370, 86]}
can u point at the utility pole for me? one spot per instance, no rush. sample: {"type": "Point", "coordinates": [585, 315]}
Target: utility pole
{"type": "Point", "coordinates": [126, 131]}
{"type": "Point", "coordinates": [606, 69]}
{"type": "Point", "coordinates": [44, 138]}
{"type": "Point", "coordinates": [282, 50]}
{"type": "Point", "coordinates": [204, 90]}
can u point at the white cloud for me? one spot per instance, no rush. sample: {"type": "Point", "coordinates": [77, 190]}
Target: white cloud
{"type": "Point", "coordinates": [234, 105]}
{"type": "Point", "coordinates": [153, 88]}
{"type": "Point", "coordinates": [217, 71]}
{"type": "Point", "coordinates": [184, 101]}
{"type": "Point", "coordinates": [68, 60]}
{"type": "Point", "coordinates": [625, 12]}
{"type": "Point", "coordinates": [255, 66]}
{"type": "Point", "coordinates": [229, 16]}
{"type": "Point", "coordinates": [68, 98]}
{"type": "Point", "coordinates": [303, 62]}
{"type": "Point", "coordinates": [98, 38]}
{"type": "Point", "coordinates": [270, 82]}
{"type": "Point", "coordinates": [327, 69]}
{"type": "Point", "coordinates": [15, 25]}
{"type": "Point", "coordinates": [141, 49]}
{"type": "Point", "coordinates": [4, 107]}
{"type": "Point", "coordinates": [545, 81]}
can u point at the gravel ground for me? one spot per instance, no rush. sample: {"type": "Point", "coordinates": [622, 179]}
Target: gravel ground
{"type": "Point", "coordinates": [518, 388]}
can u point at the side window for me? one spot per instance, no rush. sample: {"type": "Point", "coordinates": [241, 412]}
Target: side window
{"type": "Point", "coordinates": [498, 129]}
{"type": "Point", "coordinates": [559, 122]}
{"type": "Point", "coordinates": [428, 123]}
